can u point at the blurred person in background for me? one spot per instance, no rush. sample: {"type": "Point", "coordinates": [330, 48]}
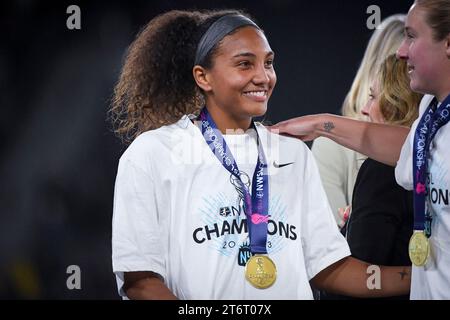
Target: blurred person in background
{"type": "Point", "coordinates": [381, 223]}
{"type": "Point", "coordinates": [338, 165]}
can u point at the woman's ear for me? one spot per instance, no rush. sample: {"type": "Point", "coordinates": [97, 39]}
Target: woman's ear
{"type": "Point", "coordinates": [201, 78]}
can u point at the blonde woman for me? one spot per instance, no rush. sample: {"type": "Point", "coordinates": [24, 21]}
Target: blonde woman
{"type": "Point", "coordinates": [381, 223]}
{"type": "Point", "coordinates": [338, 166]}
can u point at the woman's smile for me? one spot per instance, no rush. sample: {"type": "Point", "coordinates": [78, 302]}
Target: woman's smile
{"type": "Point", "coordinates": [256, 95]}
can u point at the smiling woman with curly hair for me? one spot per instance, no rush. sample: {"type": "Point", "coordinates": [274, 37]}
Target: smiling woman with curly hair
{"type": "Point", "coordinates": [160, 59]}
{"type": "Point", "coordinates": [210, 227]}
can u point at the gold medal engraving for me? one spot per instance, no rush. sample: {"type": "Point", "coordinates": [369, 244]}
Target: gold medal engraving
{"type": "Point", "coordinates": [260, 271]}
{"type": "Point", "coordinates": [419, 248]}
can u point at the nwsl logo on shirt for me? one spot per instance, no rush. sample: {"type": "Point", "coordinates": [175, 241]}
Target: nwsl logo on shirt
{"type": "Point", "coordinates": [225, 212]}
{"type": "Point", "coordinates": [244, 254]}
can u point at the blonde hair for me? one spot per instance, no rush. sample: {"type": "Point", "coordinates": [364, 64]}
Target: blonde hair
{"type": "Point", "coordinates": [398, 103]}
{"type": "Point", "coordinates": [385, 41]}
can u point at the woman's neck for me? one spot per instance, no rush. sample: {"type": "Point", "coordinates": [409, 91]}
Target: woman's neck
{"type": "Point", "coordinates": [226, 123]}
{"type": "Point", "coordinates": [441, 96]}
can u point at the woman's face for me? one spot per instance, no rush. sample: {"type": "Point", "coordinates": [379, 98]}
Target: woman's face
{"type": "Point", "coordinates": [242, 77]}
{"type": "Point", "coordinates": [372, 107]}
{"type": "Point", "coordinates": [428, 64]}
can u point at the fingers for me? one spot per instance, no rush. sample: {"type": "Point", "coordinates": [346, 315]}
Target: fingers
{"type": "Point", "coordinates": [274, 127]}
{"type": "Point", "coordinates": [285, 134]}
{"type": "Point", "coordinates": [279, 127]}
{"type": "Point", "coordinates": [345, 212]}
{"type": "Point", "coordinates": [292, 136]}
{"type": "Point", "coordinates": [289, 128]}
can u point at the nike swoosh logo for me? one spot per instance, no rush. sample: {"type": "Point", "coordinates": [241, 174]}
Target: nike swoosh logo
{"type": "Point", "coordinates": [281, 165]}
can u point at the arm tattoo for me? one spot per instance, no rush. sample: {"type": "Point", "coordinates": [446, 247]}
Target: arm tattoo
{"type": "Point", "coordinates": [403, 273]}
{"type": "Point", "coordinates": [328, 126]}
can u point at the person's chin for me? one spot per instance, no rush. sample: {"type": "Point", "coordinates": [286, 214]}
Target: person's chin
{"type": "Point", "coordinates": [414, 85]}
{"type": "Point", "coordinates": [259, 110]}
{"type": "Point", "coordinates": [417, 87]}
{"type": "Point", "coordinates": [256, 106]}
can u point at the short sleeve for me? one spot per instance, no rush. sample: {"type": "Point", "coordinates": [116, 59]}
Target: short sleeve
{"type": "Point", "coordinates": [136, 234]}
{"type": "Point", "coordinates": [403, 169]}
{"type": "Point", "coordinates": [322, 242]}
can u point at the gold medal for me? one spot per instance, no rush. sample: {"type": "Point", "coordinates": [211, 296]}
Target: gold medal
{"type": "Point", "coordinates": [260, 271]}
{"type": "Point", "coordinates": [419, 248]}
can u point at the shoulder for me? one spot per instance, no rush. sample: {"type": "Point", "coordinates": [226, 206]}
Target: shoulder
{"type": "Point", "coordinates": [376, 191]}
{"type": "Point", "coordinates": [376, 177]}
{"type": "Point", "coordinates": [282, 149]}
{"type": "Point", "coordinates": [373, 164]}
{"type": "Point", "coordinates": [154, 144]}
{"type": "Point", "coordinates": [403, 169]}
{"type": "Point", "coordinates": [374, 168]}
{"type": "Point", "coordinates": [283, 143]}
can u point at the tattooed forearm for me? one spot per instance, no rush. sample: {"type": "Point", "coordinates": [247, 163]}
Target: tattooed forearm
{"type": "Point", "coordinates": [328, 126]}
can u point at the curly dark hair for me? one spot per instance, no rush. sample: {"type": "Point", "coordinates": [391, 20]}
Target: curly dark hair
{"type": "Point", "coordinates": [156, 86]}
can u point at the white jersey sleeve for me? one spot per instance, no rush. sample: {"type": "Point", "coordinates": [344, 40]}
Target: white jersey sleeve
{"type": "Point", "coordinates": [136, 235]}
{"type": "Point", "coordinates": [322, 242]}
{"type": "Point", "coordinates": [403, 169]}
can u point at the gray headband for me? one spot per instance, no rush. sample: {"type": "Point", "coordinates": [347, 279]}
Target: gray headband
{"type": "Point", "coordinates": [217, 31]}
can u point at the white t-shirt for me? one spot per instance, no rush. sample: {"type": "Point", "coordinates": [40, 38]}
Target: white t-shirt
{"type": "Point", "coordinates": [178, 213]}
{"type": "Point", "coordinates": [433, 280]}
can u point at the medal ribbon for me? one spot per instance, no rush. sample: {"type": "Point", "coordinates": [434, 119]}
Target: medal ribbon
{"type": "Point", "coordinates": [432, 120]}
{"type": "Point", "coordinates": [256, 205]}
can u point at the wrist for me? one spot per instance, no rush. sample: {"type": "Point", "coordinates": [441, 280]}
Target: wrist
{"type": "Point", "coordinates": [324, 124]}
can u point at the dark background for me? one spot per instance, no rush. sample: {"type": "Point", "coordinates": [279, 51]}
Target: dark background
{"type": "Point", "coordinates": [58, 156]}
